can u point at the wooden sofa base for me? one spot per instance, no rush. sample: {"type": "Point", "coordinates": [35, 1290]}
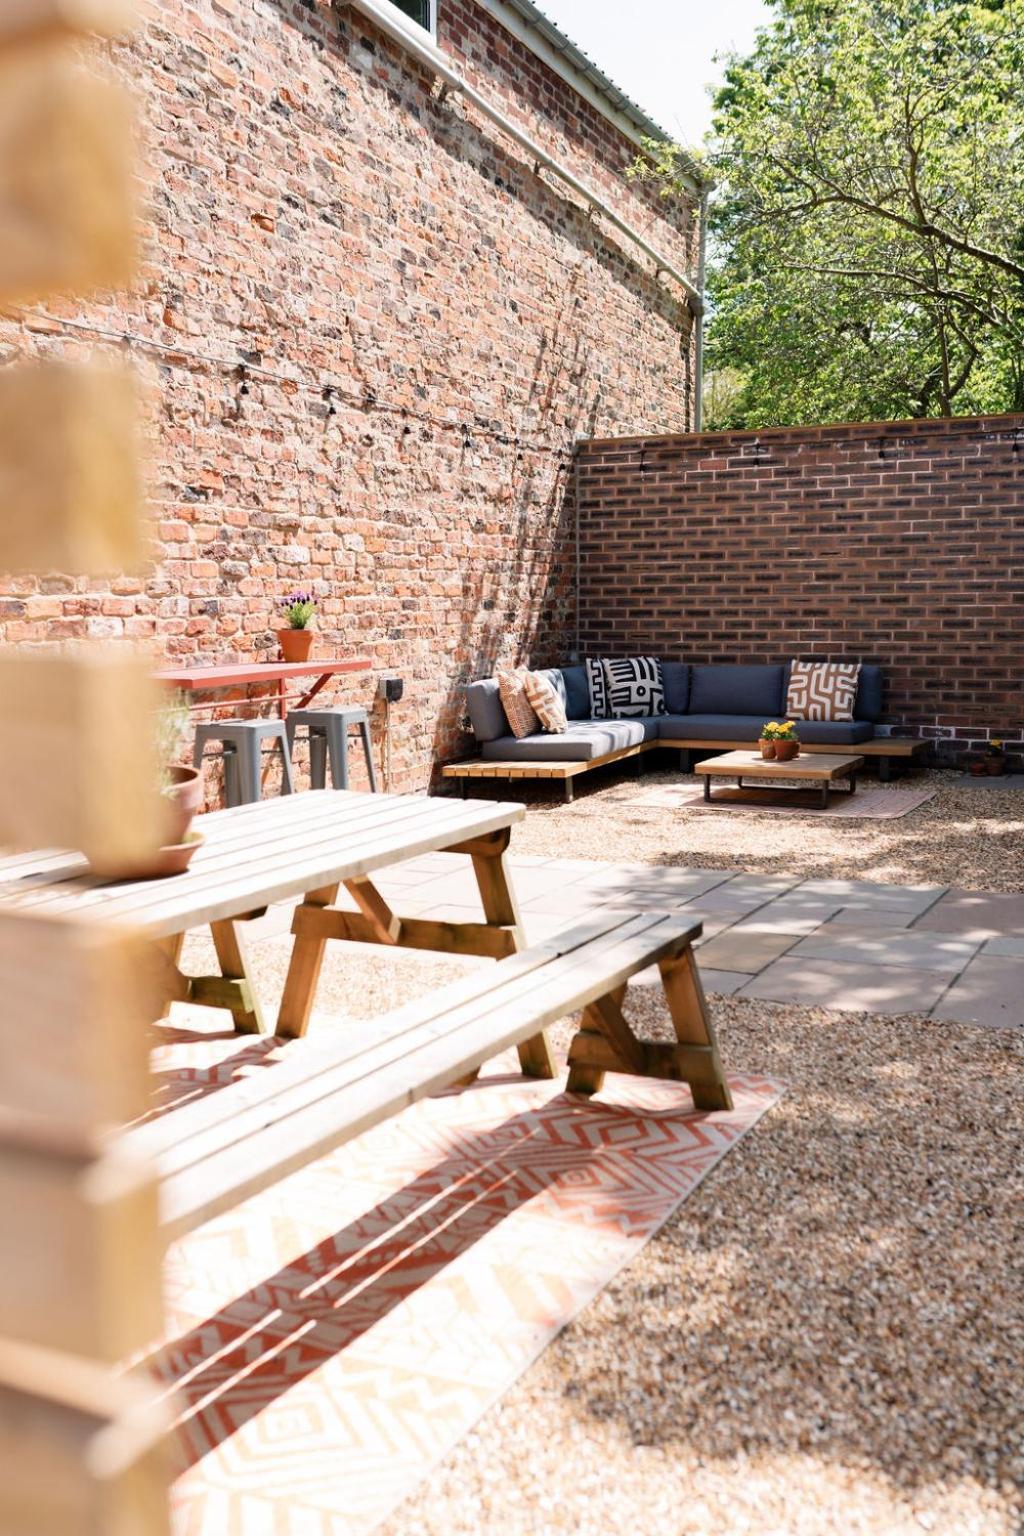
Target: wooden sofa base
{"type": "Point", "coordinates": [883, 748]}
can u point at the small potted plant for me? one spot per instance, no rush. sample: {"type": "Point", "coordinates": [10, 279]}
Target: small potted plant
{"type": "Point", "coordinates": [787, 742]}
{"type": "Point", "coordinates": [995, 757]}
{"type": "Point", "coordinates": [766, 740]}
{"type": "Point", "coordinates": [296, 639]}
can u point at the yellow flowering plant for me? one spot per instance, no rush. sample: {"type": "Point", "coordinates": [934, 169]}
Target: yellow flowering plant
{"type": "Point", "coordinates": [779, 730]}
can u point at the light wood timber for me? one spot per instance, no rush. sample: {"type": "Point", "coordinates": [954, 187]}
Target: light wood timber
{"type": "Point", "coordinates": [229, 941]}
{"type": "Point", "coordinates": [413, 933]}
{"type": "Point", "coordinates": [75, 1002]}
{"type": "Point", "coordinates": [587, 1077]}
{"type": "Point", "coordinates": [218, 1150]}
{"type": "Point", "coordinates": [80, 770]}
{"type": "Point", "coordinates": [67, 208]}
{"type": "Point", "coordinates": [68, 462]}
{"type": "Point", "coordinates": [83, 1451]}
{"type": "Point", "coordinates": [684, 992]}
{"type": "Point", "coordinates": [304, 967]}
{"type": "Point", "coordinates": [498, 900]}
{"type": "Point", "coordinates": [21, 19]}
{"type": "Point", "coordinates": [84, 1274]}
{"type": "Point", "coordinates": [375, 910]}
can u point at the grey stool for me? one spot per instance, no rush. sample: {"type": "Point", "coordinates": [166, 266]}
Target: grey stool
{"type": "Point", "coordinates": [243, 741]}
{"type": "Point", "coordinates": [328, 737]}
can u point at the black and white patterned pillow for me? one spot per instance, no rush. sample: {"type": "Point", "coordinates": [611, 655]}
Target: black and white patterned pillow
{"type": "Point", "coordinates": [597, 688]}
{"type": "Point", "coordinates": [635, 687]}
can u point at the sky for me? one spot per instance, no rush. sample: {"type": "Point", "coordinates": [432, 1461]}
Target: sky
{"type": "Point", "coordinates": [661, 52]}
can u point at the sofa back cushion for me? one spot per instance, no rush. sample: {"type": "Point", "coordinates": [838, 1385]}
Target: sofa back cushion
{"type": "Point", "coordinates": [822, 690]}
{"type": "Point", "coordinates": [869, 693]}
{"type": "Point", "coordinates": [577, 694]}
{"type": "Point", "coordinates": [486, 714]}
{"type": "Point", "coordinates": [676, 677]}
{"type": "Point", "coordinates": [635, 688]}
{"type": "Point", "coordinates": [546, 700]}
{"type": "Point", "coordinates": [736, 690]}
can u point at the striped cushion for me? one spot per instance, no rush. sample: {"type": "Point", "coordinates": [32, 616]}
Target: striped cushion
{"type": "Point", "coordinates": [512, 687]}
{"type": "Point", "coordinates": [822, 690]}
{"type": "Point", "coordinates": [597, 688]}
{"type": "Point", "coordinates": [543, 697]}
{"type": "Point", "coordinates": [635, 687]}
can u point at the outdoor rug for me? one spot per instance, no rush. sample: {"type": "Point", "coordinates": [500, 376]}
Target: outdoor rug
{"type": "Point", "coordinates": [334, 1337]}
{"type": "Point", "coordinates": [870, 804]}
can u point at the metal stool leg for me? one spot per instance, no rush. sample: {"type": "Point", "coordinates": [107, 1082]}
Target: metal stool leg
{"type": "Point", "coordinates": [364, 731]}
{"type": "Point", "coordinates": [287, 781]}
{"type": "Point", "coordinates": [248, 768]}
{"type": "Point", "coordinates": [336, 738]}
{"type": "Point", "coordinates": [317, 759]}
{"type": "Point", "coordinates": [232, 787]}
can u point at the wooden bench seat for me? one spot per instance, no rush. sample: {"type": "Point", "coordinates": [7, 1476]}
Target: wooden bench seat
{"type": "Point", "coordinates": [216, 1151]}
{"type": "Point", "coordinates": [882, 748]}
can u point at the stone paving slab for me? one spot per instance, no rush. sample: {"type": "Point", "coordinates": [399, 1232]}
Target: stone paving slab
{"type": "Point", "coordinates": [864, 893]}
{"type": "Point", "coordinates": [1011, 947]}
{"type": "Point", "coordinates": [723, 983]}
{"type": "Point", "coordinates": [923, 951]}
{"type": "Point", "coordinates": [790, 914]}
{"type": "Point", "coordinates": [847, 986]}
{"type": "Point", "coordinates": [990, 991]}
{"type": "Point", "coordinates": [743, 949]}
{"type": "Point", "coordinates": [976, 915]}
{"type": "Point", "coordinates": [870, 919]}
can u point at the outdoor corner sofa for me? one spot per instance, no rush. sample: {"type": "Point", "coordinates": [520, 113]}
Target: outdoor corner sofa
{"type": "Point", "coordinates": [707, 707]}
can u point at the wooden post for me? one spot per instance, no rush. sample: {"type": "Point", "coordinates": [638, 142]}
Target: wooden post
{"type": "Point", "coordinates": [80, 1284]}
{"type": "Point", "coordinates": [303, 969]}
{"type": "Point", "coordinates": [500, 907]}
{"type": "Point", "coordinates": [688, 1007]}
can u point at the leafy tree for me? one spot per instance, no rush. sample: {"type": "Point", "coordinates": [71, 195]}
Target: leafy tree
{"type": "Point", "coordinates": [868, 228]}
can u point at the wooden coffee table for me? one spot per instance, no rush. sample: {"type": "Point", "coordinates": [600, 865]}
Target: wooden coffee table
{"type": "Point", "coordinates": [819, 768]}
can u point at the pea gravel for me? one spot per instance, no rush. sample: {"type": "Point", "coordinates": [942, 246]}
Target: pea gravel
{"type": "Point", "coordinates": [828, 1336]}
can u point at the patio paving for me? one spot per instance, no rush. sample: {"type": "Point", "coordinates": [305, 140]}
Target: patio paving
{"type": "Point", "coordinates": [848, 945]}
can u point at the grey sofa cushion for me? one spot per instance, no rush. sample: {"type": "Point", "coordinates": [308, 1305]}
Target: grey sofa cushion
{"type": "Point", "coordinates": [868, 705]}
{"type": "Point", "coordinates": [582, 742]}
{"type": "Point", "coordinates": [747, 728]}
{"type": "Point", "coordinates": [675, 675]}
{"type": "Point", "coordinates": [737, 690]}
{"type": "Point", "coordinates": [486, 714]}
{"type": "Point", "coordinates": [577, 695]}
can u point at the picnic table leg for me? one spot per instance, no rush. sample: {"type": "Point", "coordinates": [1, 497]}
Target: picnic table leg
{"type": "Point", "coordinates": [229, 942]}
{"type": "Point", "coordinates": [584, 1078]}
{"type": "Point", "coordinates": [303, 970]}
{"type": "Point", "coordinates": [500, 909]}
{"type": "Point", "coordinates": [688, 1007]}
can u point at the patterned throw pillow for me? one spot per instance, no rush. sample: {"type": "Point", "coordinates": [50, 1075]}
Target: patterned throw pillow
{"type": "Point", "coordinates": [822, 690]}
{"type": "Point", "coordinates": [635, 687]}
{"type": "Point", "coordinates": [597, 687]}
{"type": "Point", "coordinates": [543, 697]}
{"type": "Point", "coordinates": [512, 687]}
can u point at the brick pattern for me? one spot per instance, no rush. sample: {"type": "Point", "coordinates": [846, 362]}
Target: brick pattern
{"type": "Point", "coordinates": [371, 335]}
{"type": "Point", "coordinates": [897, 543]}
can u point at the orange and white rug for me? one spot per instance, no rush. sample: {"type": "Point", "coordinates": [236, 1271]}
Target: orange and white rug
{"type": "Point", "coordinates": [332, 1338]}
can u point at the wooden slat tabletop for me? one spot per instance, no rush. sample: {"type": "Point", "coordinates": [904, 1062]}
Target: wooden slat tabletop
{"type": "Point", "coordinates": [255, 855]}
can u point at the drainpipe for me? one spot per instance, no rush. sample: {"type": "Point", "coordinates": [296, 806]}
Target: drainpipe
{"type": "Point", "coordinates": [392, 23]}
{"type": "Point", "coordinates": [698, 350]}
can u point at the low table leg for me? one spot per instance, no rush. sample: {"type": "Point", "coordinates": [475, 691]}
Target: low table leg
{"type": "Point", "coordinates": [824, 795]}
{"type": "Point", "coordinates": [707, 786]}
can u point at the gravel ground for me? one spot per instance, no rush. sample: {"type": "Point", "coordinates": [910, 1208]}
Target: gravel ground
{"type": "Point", "coordinates": [829, 1334]}
{"type": "Point", "coordinates": [965, 836]}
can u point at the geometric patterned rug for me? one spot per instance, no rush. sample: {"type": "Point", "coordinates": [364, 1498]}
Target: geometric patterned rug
{"type": "Point", "coordinates": [334, 1337]}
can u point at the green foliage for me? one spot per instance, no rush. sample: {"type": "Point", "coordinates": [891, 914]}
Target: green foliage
{"type": "Point", "coordinates": [867, 236]}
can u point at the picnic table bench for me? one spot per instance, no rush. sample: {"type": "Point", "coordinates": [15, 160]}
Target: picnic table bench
{"type": "Point", "coordinates": [221, 1148]}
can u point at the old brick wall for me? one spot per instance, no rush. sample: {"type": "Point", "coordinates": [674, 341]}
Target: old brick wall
{"type": "Point", "coordinates": [370, 334]}
{"type": "Point", "coordinates": [897, 543]}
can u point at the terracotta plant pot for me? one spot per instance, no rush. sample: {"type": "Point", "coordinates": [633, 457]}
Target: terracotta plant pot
{"type": "Point", "coordinates": [184, 799]}
{"type": "Point", "coordinates": [171, 859]}
{"type": "Point", "coordinates": [295, 644]}
{"type": "Point", "coordinates": [977, 766]}
{"type": "Point", "coordinates": [994, 766]}
{"type": "Point", "coordinates": [785, 751]}
{"type": "Point", "coordinates": [767, 747]}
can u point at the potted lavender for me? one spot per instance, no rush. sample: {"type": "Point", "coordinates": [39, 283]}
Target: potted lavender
{"type": "Point", "coordinates": [296, 639]}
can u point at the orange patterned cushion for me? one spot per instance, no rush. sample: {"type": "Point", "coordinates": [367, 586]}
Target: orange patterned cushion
{"type": "Point", "coordinates": [511, 686]}
{"type": "Point", "coordinates": [822, 690]}
{"type": "Point", "coordinates": [543, 696]}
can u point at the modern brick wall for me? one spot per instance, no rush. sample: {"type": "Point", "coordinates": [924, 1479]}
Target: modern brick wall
{"type": "Point", "coordinates": [897, 543]}
{"type": "Point", "coordinates": [370, 334]}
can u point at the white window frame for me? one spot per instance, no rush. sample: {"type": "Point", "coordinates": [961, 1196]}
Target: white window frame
{"type": "Point", "coordinates": [413, 27]}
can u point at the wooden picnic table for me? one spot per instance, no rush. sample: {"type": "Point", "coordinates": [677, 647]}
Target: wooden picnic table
{"type": "Point", "coordinates": [306, 846]}
{"type": "Point", "coordinates": [244, 674]}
